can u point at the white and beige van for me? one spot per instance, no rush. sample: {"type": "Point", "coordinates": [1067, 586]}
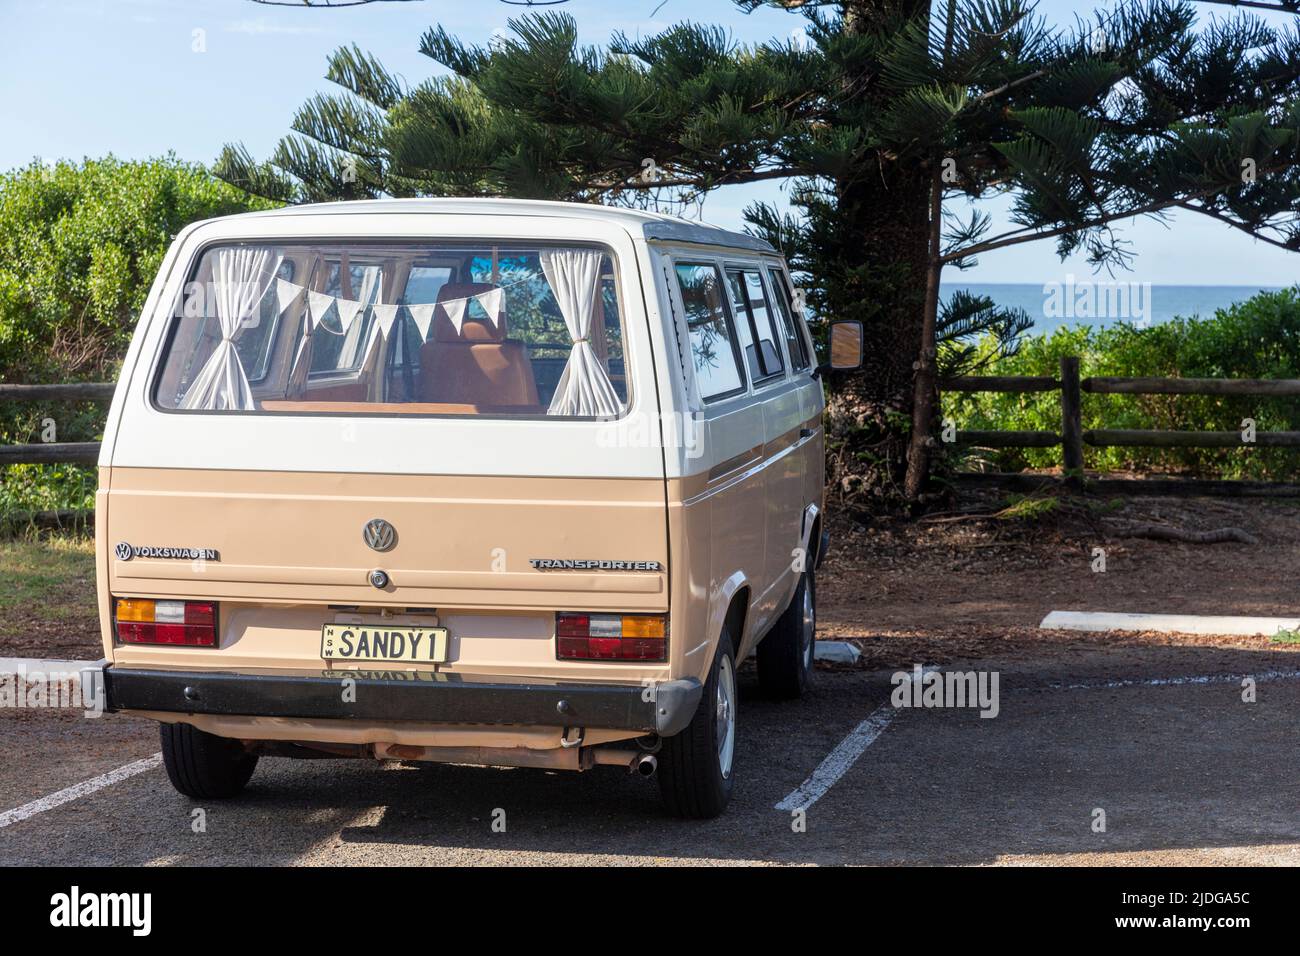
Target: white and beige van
{"type": "Point", "coordinates": [476, 481]}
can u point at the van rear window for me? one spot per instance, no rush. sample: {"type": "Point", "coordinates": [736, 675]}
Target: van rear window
{"type": "Point", "coordinates": [516, 330]}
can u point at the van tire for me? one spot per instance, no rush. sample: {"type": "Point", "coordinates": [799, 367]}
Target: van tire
{"type": "Point", "coordinates": [785, 655]}
{"type": "Point", "coordinates": [202, 765]}
{"type": "Point", "coordinates": [691, 778]}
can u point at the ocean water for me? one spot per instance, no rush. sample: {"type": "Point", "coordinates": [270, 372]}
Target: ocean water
{"type": "Point", "coordinates": [1085, 300]}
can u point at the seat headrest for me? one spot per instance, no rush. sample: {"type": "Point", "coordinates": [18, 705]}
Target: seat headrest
{"type": "Point", "coordinates": [473, 329]}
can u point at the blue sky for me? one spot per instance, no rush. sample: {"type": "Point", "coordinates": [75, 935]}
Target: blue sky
{"type": "Point", "coordinates": [89, 77]}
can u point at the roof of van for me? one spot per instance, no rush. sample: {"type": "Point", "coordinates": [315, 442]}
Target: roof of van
{"type": "Point", "coordinates": [652, 225]}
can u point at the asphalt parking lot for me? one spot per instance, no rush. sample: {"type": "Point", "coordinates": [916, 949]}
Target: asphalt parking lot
{"type": "Point", "coordinates": [1162, 742]}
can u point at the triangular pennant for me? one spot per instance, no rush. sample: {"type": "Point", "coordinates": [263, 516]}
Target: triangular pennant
{"type": "Point", "coordinates": [348, 309]}
{"type": "Point", "coordinates": [491, 302]}
{"type": "Point", "coordinates": [318, 303]}
{"type": "Point", "coordinates": [423, 316]}
{"type": "Point", "coordinates": [386, 315]}
{"type": "Point", "coordinates": [286, 293]}
{"type": "Point", "coordinates": [454, 309]}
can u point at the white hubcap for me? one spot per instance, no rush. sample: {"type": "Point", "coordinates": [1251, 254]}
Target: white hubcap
{"type": "Point", "coordinates": [809, 628]}
{"type": "Point", "coordinates": [724, 717]}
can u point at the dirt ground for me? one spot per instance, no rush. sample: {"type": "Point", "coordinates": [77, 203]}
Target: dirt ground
{"type": "Point", "coordinates": [47, 599]}
{"type": "Point", "coordinates": [960, 586]}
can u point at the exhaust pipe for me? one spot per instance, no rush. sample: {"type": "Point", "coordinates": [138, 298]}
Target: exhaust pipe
{"type": "Point", "coordinates": [642, 763]}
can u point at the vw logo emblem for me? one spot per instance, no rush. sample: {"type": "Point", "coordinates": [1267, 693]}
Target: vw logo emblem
{"type": "Point", "coordinates": [123, 551]}
{"type": "Point", "coordinates": [379, 534]}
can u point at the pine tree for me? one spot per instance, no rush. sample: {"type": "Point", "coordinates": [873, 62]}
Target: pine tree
{"type": "Point", "coordinates": [877, 113]}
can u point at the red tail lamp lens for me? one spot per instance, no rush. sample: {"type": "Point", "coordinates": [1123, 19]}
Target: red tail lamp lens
{"type": "Point", "coordinates": [611, 637]}
{"type": "Point", "coordinates": [181, 623]}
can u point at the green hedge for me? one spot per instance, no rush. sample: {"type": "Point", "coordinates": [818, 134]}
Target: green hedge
{"type": "Point", "coordinates": [1259, 338]}
{"type": "Point", "coordinates": [79, 246]}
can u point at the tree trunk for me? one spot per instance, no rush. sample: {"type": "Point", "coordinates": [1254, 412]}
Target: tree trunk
{"type": "Point", "coordinates": [873, 242]}
{"type": "Point", "coordinates": [925, 392]}
{"type": "Point", "coordinates": [877, 274]}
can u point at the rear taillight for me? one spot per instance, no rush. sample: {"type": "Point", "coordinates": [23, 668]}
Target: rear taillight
{"type": "Point", "coordinates": [144, 621]}
{"type": "Point", "coordinates": [611, 637]}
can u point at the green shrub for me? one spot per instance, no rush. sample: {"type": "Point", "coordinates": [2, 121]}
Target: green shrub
{"type": "Point", "coordinates": [1259, 338]}
{"type": "Point", "coordinates": [79, 247]}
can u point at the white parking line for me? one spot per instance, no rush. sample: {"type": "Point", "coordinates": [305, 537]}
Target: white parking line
{"type": "Point", "coordinates": [1179, 681]}
{"type": "Point", "coordinates": [1167, 623]}
{"type": "Point", "coordinates": [15, 665]}
{"type": "Point", "coordinates": [839, 760]}
{"type": "Point", "coordinates": [78, 790]}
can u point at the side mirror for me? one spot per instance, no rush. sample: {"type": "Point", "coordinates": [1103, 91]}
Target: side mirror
{"type": "Point", "coordinates": [845, 346]}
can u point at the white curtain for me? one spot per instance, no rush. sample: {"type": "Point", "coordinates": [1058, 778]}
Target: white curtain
{"type": "Point", "coordinates": [240, 277]}
{"type": "Point", "coordinates": [584, 388]}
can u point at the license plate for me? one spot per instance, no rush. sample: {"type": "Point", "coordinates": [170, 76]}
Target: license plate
{"type": "Point", "coordinates": [366, 642]}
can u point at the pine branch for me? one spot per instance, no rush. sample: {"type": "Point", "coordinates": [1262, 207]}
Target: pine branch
{"type": "Point", "coordinates": [1019, 237]}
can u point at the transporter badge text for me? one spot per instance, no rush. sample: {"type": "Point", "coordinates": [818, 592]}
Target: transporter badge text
{"type": "Point", "coordinates": [125, 552]}
{"type": "Point", "coordinates": [566, 564]}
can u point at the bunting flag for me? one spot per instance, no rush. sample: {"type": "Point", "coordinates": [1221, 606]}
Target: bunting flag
{"type": "Point", "coordinates": [454, 310]}
{"type": "Point", "coordinates": [318, 303]}
{"type": "Point", "coordinates": [423, 316]}
{"type": "Point", "coordinates": [491, 302]}
{"type": "Point", "coordinates": [386, 315]}
{"type": "Point", "coordinates": [286, 293]}
{"type": "Point", "coordinates": [348, 309]}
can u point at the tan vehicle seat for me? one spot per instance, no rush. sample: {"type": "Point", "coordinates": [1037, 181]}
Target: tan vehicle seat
{"type": "Point", "coordinates": [476, 366]}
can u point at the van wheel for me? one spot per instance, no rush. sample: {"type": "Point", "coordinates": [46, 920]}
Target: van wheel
{"type": "Point", "coordinates": [696, 766]}
{"type": "Point", "coordinates": [785, 655]}
{"type": "Point", "coordinates": [202, 765]}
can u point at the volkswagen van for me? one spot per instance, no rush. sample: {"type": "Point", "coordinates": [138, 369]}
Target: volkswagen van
{"type": "Point", "coordinates": [477, 481]}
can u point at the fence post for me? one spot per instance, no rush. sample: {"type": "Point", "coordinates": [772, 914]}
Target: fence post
{"type": "Point", "coordinates": [1071, 422]}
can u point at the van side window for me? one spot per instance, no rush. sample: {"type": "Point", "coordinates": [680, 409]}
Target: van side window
{"type": "Point", "coordinates": [749, 302]}
{"type": "Point", "coordinates": [341, 349]}
{"type": "Point", "coordinates": [258, 341]}
{"type": "Point", "coordinates": [793, 334]}
{"type": "Point", "coordinates": [714, 349]}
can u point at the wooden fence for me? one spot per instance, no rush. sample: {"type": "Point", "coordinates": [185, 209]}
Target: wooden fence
{"type": "Point", "coordinates": [1072, 437]}
{"type": "Point", "coordinates": [45, 453]}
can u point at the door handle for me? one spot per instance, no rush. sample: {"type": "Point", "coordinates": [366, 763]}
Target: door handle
{"type": "Point", "coordinates": [805, 433]}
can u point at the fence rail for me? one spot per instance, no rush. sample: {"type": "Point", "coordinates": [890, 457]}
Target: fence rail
{"type": "Point", "coordinates": [51, 453]}
{"type": "Point", "coordinates": [1072, 437]}
{"type": "Point", "coordinates": [55, 452]}
{"type": "Point", "coordinates": [73, 392]}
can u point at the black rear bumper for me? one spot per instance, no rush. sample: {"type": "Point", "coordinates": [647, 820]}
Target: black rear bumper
{"type": "Point", "coordinates": [406, 696]}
